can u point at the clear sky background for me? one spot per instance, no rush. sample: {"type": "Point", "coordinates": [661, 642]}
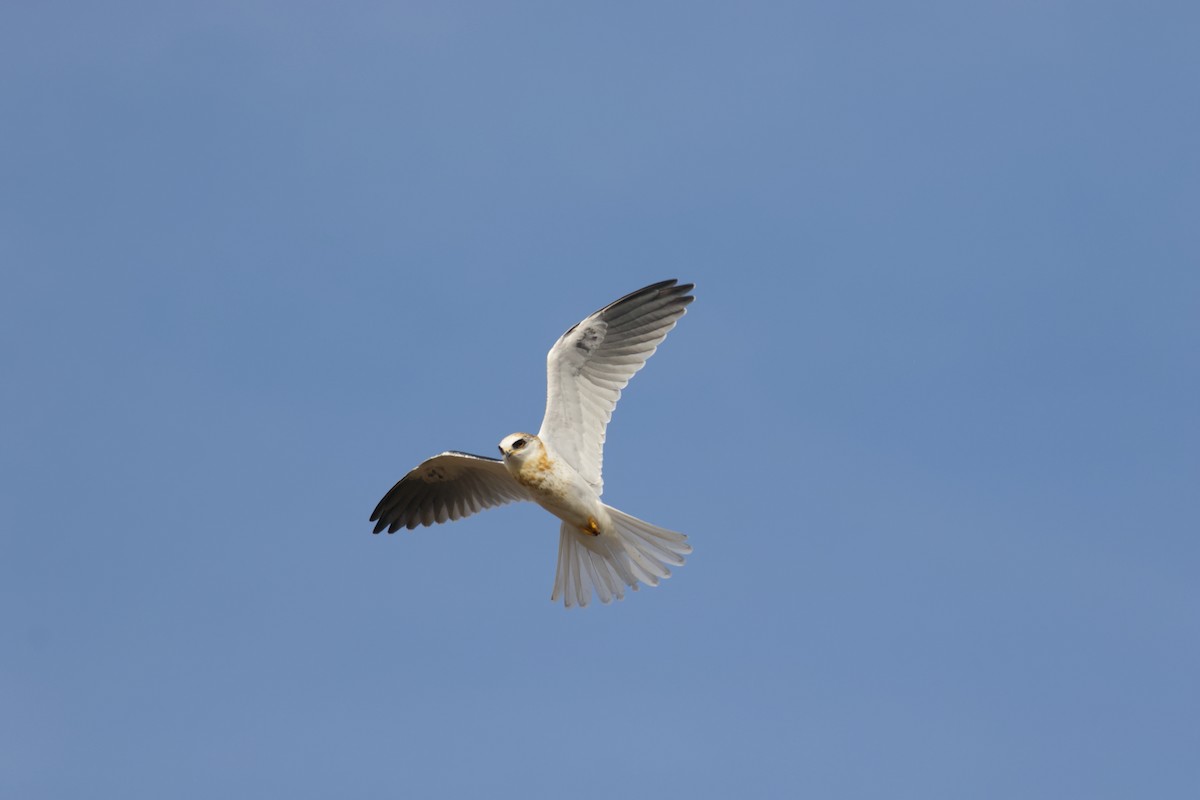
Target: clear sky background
{"type": "Point", "coordinates": [931, 423]}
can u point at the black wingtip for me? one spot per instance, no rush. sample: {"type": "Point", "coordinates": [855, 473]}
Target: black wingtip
{"type": "Point", "coordinates": [670, 286]}
{"type": "Point", "coordinates": [678, 292]}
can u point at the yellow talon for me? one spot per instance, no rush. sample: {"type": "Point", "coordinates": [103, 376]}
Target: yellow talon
{"type": "Point", "coordinates": [593, 527]}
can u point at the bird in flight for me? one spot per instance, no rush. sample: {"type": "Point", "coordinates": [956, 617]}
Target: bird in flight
{"type": "Point", "coordinates": [559, 468]}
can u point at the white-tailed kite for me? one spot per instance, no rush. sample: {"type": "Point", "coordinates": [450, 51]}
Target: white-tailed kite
{"type": "Point", "coordinates": [599, 547]}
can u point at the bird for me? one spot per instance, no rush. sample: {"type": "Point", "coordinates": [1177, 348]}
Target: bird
{"type": "Point", "coordinates": [601, 549]}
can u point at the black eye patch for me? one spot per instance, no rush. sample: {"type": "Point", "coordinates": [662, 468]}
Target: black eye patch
{"type": "Point", "coordinates": [518, 444]}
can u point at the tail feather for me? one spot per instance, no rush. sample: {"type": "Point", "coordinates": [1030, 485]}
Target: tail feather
{"type": "Point", "coordinates": [658, 550]}
{"type": "Point", "coordinates": [600, 578]}
{"type": "Point", "coordinates": [633, 551]}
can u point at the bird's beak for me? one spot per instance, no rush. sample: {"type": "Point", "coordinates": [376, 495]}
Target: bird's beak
{"type": "Point", "coordinates": [501, 449]}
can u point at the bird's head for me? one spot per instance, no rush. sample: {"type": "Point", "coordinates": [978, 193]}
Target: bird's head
{"type": "Point", "coordinates": [519, 446]}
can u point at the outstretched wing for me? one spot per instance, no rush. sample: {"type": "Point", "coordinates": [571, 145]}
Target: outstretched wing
{"type": "Point", "coordinates": [450, 485]}
{"type": "Point", "coordinates": [592, 362]}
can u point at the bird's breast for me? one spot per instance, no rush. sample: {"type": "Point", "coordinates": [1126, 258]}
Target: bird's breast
{"type": "Point", "coordinates": [538, 473]}
{"type": "Point", "coordinates": [559, 489]}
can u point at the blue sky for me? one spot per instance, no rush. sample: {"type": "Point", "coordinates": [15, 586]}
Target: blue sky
{"type": "Point", "coordinates": [931, 424]}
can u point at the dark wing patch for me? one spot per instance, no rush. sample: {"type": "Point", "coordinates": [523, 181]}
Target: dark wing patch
{"type": "Point", "coordinates": [449, 486]}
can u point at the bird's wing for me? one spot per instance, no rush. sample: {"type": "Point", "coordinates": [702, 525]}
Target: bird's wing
{"type": "Point", "coordinates": [592, 362]}
{"type": "Point", "coordinates": [450, 485]}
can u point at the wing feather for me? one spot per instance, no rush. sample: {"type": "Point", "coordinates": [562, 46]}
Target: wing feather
{"type": "Point", "coordinates": [591, 364]}
{"type": "Point", "coordinates": [451, 485]}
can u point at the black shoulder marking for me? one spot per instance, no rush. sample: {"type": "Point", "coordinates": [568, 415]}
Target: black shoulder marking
{"type": "Point", "coordinates": [590, 338]}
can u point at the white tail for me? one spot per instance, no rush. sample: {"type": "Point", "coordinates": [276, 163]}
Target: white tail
{"type": "Point", "coordinates": [632, 551]}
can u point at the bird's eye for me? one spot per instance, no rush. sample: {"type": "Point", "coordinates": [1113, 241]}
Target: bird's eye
{"type": "Point", "coordinates": [518, 444]}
